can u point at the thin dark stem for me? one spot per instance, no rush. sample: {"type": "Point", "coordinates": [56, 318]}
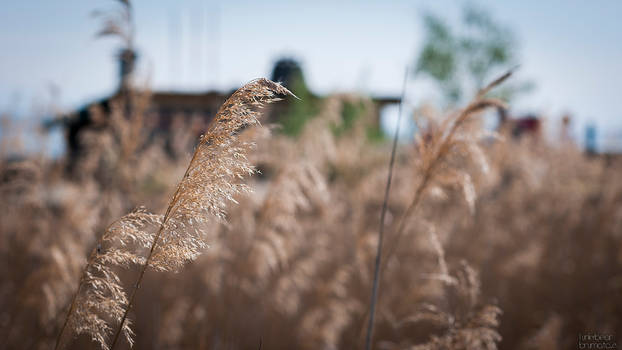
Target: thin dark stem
{"type": "Point", "coordinates": [374, 293]}
{"type": "Point", "coordinates": [151, 250]}
{"type": "Point", "coordinates": [75, 296]}
{"type": "Point", "coordinates": [442, 150]}
{"type": "Point", "coordinates": [69, 312]}
{"type": "Point", "coordinates": [428, 174]}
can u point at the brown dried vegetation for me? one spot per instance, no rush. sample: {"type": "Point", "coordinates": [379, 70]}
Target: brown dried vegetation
{"type": "Point", "coordinates": [514, 244]}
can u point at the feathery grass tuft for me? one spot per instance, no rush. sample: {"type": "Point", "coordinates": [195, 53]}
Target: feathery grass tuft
{"type": "Point", "coordinates": [211, 180]}
{"type": "Point", "coordinates": [435, 149]}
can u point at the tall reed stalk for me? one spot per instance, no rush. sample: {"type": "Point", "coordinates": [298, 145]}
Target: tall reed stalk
{"type": "Point", "coordinates": [441, 152]}
{"type": "Point", "coordinates": [211, 179]}
{"type": "Point", "coordinates": [432, 158]}
{"type": "Point", "coordinates": [374, 293]}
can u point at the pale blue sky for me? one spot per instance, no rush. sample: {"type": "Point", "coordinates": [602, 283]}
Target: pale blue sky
{"type": "Point", "coordinates": [571, 49]}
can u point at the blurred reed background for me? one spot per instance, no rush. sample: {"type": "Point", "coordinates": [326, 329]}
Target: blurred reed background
{"type": "Point", "coordinates": [254, 215]}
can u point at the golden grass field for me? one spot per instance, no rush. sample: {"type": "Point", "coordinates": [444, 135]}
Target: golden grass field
{"type": "Point", "coordinates": [490, 241]}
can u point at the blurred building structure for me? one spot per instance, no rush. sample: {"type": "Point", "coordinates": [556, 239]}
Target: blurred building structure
{"type": "Point", "coordinates": [519, 126]}
{"type": "Point", "coordinates": [164, 107]}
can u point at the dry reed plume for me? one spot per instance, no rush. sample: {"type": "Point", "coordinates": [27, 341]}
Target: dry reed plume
{"type": "Point", "coordinates": [212, 178]}
{"type": "Point", "coordinates": [436, 147]}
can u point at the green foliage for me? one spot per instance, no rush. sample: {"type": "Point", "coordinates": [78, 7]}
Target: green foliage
{"type": "Point", "coordinates": [299, 112]}
{"type": "Point", "coordinates": [438, 55]}
{"type": "Point", "coordinates": [461, 63]}
{"type": "Point", "coordinates": [375, 134]}
{"type": "Point", "coordinates": [350, 113]}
